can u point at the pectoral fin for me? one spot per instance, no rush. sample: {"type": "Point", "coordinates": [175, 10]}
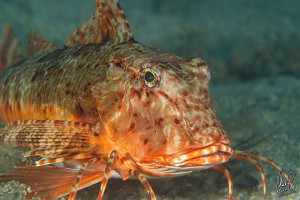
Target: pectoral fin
{"type": "Point", "coordinates": [49, 182]}
{"type": "Point", "coordinates": [54, 141]}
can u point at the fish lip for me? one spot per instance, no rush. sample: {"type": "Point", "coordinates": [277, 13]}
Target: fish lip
{"type": "Point", "coordinates": [210, 155]}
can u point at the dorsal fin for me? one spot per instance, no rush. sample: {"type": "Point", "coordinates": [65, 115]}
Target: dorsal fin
{"type": "Point", "coordinates": [107, 24]}
{"type": "Point", "coordinates": [38, 45]}
{"type": "Point", "coordinates": [9, 46]}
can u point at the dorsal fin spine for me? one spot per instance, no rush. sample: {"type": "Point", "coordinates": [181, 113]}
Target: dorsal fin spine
{"type": "Point", "coordinates": [107, 24]}
{"type": "Point", "coordinates": [9, 46]}
{"type": "Point", "coordinates": [38, 45]}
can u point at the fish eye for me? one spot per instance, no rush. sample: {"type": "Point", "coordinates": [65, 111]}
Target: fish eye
{"type": "Point", "coordinates": [149, 77]}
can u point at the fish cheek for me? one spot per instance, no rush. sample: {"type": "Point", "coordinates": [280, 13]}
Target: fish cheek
{"type": "Point", "coordinates": [135, 136]}
{"type": "Point", "coordinates": [135, 129]}
{"type": "Point", "coordinates": [109, 95]}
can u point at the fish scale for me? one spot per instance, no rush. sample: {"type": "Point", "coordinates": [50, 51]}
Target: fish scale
{"type": "Point", "coordinates": [36, 81]}
{"type": "Point", "coordinates": [106, 105]}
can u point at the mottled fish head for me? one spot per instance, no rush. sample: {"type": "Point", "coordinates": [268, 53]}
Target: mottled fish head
{"type": "Point", "coordinates": [157, 108]}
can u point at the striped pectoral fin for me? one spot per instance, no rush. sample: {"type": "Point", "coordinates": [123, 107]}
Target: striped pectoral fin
{"type": "Point", "coordinates": [48, 182]}
{"type": "Point", "coordinates": [54, 141]}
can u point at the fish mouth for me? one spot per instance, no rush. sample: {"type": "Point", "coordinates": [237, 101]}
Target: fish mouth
{"type": "Point", "coordinates": [202, 158]}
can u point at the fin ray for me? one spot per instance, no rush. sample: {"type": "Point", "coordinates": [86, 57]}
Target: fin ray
{"type": "Point", "coordinates": [50, 182]}
{"type": "Point", "coordinates": [38, 45]}
{"type": "Point", "coordinates": [9, 46]}
{"type": "Point", "coordinates": [107, 24]}
{"type": "Point", "coordinates": [53, 140]}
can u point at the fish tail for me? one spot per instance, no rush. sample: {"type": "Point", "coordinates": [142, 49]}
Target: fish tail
{"type": "Point", "coordinates": [48, 182]}
{"type": "Point", "coordinates": [9, 45]}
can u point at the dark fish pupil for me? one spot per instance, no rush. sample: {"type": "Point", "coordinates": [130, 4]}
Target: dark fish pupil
{"type": "Point", "coordinates": [149, 77]}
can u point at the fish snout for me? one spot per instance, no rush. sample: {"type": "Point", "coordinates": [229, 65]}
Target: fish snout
{"type": "Point", "coordinates": [202, 157]}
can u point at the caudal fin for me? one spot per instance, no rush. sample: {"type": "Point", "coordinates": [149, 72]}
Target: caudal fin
{"type": "Point", "coordinates": [48, 182]}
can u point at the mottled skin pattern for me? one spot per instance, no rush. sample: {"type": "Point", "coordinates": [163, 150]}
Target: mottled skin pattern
{"type": "Point", "coordinates": [109, 105]}
{"type": "Point", "coordinates": [98, 84]}
{"type": "Point", "coordinates": [160, 121]}
{"type": "Point", "coordinates": [53, 86]}
{"type": "Point", "coordinates": [84, 83]}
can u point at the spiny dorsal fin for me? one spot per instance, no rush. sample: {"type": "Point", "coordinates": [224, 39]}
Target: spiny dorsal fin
{"type": "Point", "coordinates": [9, 46]}
{"type": "Point", "coordinates": [107, 24]}
{"type": "Point", "coordinates": [38, 45]}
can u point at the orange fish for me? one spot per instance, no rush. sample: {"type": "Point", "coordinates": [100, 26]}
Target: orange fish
{"type": "Point", "coordinates": [106, 105]}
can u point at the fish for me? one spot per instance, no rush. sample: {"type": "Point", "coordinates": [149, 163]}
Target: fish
{"type": "Point", "coordinates": [104, 106]}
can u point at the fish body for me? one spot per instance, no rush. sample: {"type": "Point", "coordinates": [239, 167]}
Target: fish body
{"type": "Point", "coordinates": [100, 84]}
{"type": "Point", "coordinates": [109, 105]}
